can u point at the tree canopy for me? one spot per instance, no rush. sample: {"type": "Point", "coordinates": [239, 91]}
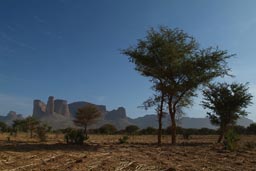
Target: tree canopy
{"type": "Point", "coordinates": [226, 102]}
{"type": "Point", "coordinates": [87, 115]}
{"type": "Point", "coordinates": [176, 65]}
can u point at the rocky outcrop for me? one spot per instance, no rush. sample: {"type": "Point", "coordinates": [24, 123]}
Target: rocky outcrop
{"type": "Point", "coordinates": [53, 107]}
{"type": "Point", "coordinates": [50, 105]}
{"type": "Point", "coordinates": [10, 117]}
{"type": "Point", "coordinates": [73, 107]}
{"type": "Point", "coordinates": [61, 107]}
{"type": "Point", "coordinates": [120, 113]}
{"type": "Point", "coordinates": [39, 108]}
{"type": "Point", "coordinates": [63, 115]}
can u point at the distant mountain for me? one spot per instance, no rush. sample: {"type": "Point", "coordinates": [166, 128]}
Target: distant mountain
{"type": "Point", "coordinates": [185, 122]}
{"type": "Point", "coordinates": [59, 114]}
{"type": "Point", "coordinates": [8, 119]}
{"type": "Point", "coordinates": [76, 105]}
{"type": "Point", "coordinates": [149, 121]}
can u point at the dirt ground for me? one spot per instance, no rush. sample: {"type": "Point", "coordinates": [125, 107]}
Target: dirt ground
{"type": "Point", "coordinates": [140, 153]}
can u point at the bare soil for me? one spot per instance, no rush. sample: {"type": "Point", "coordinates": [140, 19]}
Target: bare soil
{"type": "Point", "coordinates": [140, 153]}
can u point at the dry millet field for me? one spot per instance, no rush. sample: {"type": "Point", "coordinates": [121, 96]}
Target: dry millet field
{"type": "Point", "coordinates": [103, 152]}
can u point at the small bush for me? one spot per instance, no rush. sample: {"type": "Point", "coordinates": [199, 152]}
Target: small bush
{"type": "Point", "coordinates": [41, 133]}
{"type": "Point", "coordinates": [74, 136]}
{"type": "Point", "coordinates": [231, 140]}
{"type": "Point", "coordinates": [148, 131]}
{"type": "Point", "coordinates": [107, 129]}
{"type": "Point", "coordinates": [131, 129]}
{"type": "Point", "coordinates": [124, 139]}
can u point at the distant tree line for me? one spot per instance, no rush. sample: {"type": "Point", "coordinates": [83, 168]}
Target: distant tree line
{"type": "Point", "coordinates": [28, 125]}
{"type": "Point", "coordinates": [109, 129]}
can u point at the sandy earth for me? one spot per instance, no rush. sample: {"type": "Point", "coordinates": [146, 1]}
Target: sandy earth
{"type": "Point", "coordinates": [140, 153]}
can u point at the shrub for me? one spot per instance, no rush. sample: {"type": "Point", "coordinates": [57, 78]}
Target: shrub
{"type": "Point", "coordinates": [124, 139]}
{"type": "Point", "coordinates": [41, 132]}
{"type": "Point", "coordinates": [148, 131]}
{"type": "Point", "coordinates": [74, 136]}
{"type": "Point", "coordinates": [231, 140]}
{"type": "Point", "coordinates": [3, 127]}
{"type": "Point", "coordinates": [206, 131]}
{"type": "Point", "coordinates": [131, 129]}
{"type": "Point", "coordinates": [107, 129]}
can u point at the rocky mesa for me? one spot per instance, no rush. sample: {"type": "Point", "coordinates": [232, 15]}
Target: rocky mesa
{"type": "Point", "coordinates": [58, 114]}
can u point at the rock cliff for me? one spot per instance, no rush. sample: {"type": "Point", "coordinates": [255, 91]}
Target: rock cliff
{"type": "Point", "coordinates": [61, 107]}
{"type": "Point", "coordinates": [39, 108]}
{"type": "Point", "coordinates": [120, 113]}
{"type": "Point", "coordinates": [50, 105]}
{"type": "Point", "coordinates": [58, 106]}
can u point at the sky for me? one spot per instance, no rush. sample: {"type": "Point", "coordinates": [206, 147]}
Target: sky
{"type": "Point", "coordinates": [71, 49]}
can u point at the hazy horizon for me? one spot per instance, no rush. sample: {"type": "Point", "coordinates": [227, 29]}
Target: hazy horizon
{"type": "Point", "coordinates": [71, 49]}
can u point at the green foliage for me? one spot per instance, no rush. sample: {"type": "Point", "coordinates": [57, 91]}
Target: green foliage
{"type": "Point", "coordinates": [176, 65]}
{"type": "Point", "coordinates": [3, 127]}
{"type": "Point", "coordinates": [131, 129]}
{"type": "Point", "coordinates": [192, 131]}
{"type": "Point", "coordinates": [107, 129]}
{"type": "Point", "coordinates": [31, 124]}
{"type": "Point", "coordinates": [66, 130]}
{"type": "Point", "coordinates": [231, 140]}
{"type": "Point", "coordinates": [123, 139]}
{"type": "Point", "coordinates": [20, 125]}
{"type": "Point", "coordinates": [41, 132]}
{"type": "Point", "coordinates": [226, 103]}
{"type": "Point", "coordinates": [148, 131]}
{"type": "Point", "coordinates": [168, 130]}
{"type": "Point", "coordinates": [206, 131]}
{"type": "Point", "coordinates": [74, 136]}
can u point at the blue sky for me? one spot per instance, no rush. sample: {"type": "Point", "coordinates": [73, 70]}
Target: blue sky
{"type": "Point", "coordinates": [71, 49]}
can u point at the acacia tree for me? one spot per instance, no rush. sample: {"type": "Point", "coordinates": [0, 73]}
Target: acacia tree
{"type": "Point", "coordinates": [174, 57]}
{"type": "Point", "coordinates": [86, 116]}
{"type": "Point", "coordinates": [31, 124]}
{"type": "Point", "coordinates": [19, 125]}
{"type": "Point", "coordinates": [226, 103]}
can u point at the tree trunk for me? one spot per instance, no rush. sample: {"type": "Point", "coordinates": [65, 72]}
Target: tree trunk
{"type": "Point", "coordinates": [173, 128]}
{"type": "Point", "coordinates": [160, 116]}
{"type": "Point", "coordinates": [172, 112]}
{"type": "Point", "coordinates": [85, 132]}
{"type": "Point", "coordinates": [159, 136]}
{"type": "Point", "coordinates": [222, 132]}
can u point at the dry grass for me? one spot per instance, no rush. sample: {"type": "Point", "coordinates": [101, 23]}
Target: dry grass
{"type": "Point", "coordinates": [102, 152]}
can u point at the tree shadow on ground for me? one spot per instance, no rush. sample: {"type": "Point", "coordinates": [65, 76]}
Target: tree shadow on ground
{"type": "Point", "coordinates": [27, 147]}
